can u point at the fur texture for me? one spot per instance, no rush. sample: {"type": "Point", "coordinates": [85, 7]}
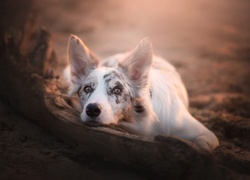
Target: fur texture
{"type": "Point", "coordinates": [139, 91]}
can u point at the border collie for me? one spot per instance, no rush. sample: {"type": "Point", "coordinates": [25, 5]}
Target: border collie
{"type": "Point", "coordinates": [139, 91]}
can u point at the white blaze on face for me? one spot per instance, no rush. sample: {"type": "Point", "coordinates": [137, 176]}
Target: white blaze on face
{"type": "Point", "coordinates": [98, 95]}
{"type": "Point", "coordinates": [104, 91]}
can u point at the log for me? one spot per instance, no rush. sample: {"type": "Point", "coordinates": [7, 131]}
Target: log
{"type": "Point", "coordinates": [29, 86]}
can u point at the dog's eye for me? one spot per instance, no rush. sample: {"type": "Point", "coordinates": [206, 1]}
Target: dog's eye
{"type": "Point", "coordinates": [87, 89]}
{"type": "Point", "coordinates": [116, 91]}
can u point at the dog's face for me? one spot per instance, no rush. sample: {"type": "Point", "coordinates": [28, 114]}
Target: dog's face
{"type": "Point", "coordinates": [105, 96]}
{"type": "Point", "coordinates": [107, 93]}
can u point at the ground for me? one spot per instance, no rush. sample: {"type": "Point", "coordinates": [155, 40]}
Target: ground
{"type": "Point", "coordinates": [207, 41]}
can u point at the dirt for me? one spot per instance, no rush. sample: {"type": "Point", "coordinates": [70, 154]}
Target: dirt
{"type": "Point", "coordinates": [207, 41]}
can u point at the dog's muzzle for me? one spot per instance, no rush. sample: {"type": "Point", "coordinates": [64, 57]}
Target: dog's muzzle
{"type": "Point", "coordinates": [93, 110]}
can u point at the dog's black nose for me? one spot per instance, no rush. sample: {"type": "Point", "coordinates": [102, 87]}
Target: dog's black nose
{"type": "Point", "coordinates": [93, 110]}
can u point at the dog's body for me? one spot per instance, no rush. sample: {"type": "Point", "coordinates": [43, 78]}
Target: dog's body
{"type": "Point", "coordinates": [139, 91]}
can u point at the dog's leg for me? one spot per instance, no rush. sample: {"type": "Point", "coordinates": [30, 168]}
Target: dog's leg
{"type": "Point", "coordinates": [189, 128]}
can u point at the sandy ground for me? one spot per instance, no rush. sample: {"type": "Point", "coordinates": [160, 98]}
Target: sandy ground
{"type": "Point", "coordinates": [207, 41]}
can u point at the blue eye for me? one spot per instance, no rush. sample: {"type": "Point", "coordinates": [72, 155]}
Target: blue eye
{"type": "Point", "coordinates": [87, 89]}
{"type": "Point", "coordinates": [116, 91]}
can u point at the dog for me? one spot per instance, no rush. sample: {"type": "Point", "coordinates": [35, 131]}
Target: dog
{"type": "Point", "coordinates": [139, 91]}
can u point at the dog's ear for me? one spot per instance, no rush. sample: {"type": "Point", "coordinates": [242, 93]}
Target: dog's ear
{"type": "Point", "coordinates": [81, 60]}
{"type": "Point", "coordinates": [137, 64]}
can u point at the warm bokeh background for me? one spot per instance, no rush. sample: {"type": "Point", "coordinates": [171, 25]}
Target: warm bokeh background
{"type": "Point", "coordinates": [208, 42]}
{"type": "Point", "coordinates": [197, 36]}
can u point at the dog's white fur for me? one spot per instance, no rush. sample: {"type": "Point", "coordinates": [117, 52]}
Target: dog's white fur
{"type": "Point", "coordinates": [151, 81]}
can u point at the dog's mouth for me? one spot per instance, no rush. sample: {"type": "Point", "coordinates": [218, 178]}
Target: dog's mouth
{"type": "Point", "coordinates": [93, 122]}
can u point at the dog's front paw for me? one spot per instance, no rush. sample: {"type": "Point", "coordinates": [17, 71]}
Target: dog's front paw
{"type": "Point", "coordinates": [207, 143]}
{"type": "Point", "coordinates": [201, 142]}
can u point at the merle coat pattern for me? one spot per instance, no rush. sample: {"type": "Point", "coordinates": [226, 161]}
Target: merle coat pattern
{"type": "Point", "coordinates": [139, 91]}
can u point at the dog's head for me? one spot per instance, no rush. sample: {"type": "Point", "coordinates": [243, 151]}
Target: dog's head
{"type": "Point", "coordinates": [109, 94]}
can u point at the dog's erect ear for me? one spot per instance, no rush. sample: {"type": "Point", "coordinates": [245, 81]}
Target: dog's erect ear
{"type": "Point", "coordinates": [81, 60]}
{"type": "Point", "coordinates": [137, 64]}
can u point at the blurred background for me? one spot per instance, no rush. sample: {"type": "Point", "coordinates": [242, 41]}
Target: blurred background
{"type": "Point", "coordinates": [177, 28]}
{"type": "Point", "coordinates": [207, 41]}
{"type": "Point", "coordinates": [202, 36]}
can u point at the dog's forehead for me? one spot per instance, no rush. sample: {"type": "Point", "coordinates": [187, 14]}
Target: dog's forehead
{"type": "Point", "coordinates": [103, 75]}
{"type": "Point", "coordinates": [112, 75]}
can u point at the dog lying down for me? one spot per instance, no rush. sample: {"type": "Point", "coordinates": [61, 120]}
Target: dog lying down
{"type": "Point", "coordinates": [140, 92]}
